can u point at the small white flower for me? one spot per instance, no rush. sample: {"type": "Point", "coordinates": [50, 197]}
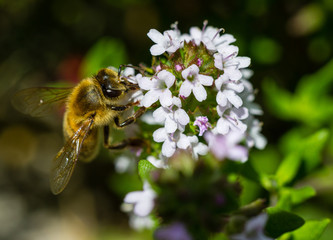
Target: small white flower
{"type": "Point", "coordinates": [228, 91]}
{"type": "Point", "coordinates": [173, 117]}
{"type": "Point", "coordinates": [158, 163]}
{"type": "Point", "coordinates": [226, 146]}
{"type": "Point", "coordinates": [254, 229]}
{"type": "Point", "coordinates": [210, 36]}
{"type": "Point", "coordinates": [140, 223]}
{"type": "Point", "coordinates": [227, 61]}
{"type": "Point", "coordinates": [198, 148]}
{"type": "Point", "coordinates": [195, 82]}
{"type": "Point", "coordinates": [149, 119]}
{"type": "Point", "coordinates": [136, 96]}
{"type": "Point", "coordinates": [168, 41]}
{"type": "Point", "coordinates": [171, 141]}
{"type": "Point", "coordinates": [124, 163]}
{"type": "Point", "coordinates": [158, 88]}
{"type": "Point", "coordinates": [143, 201]}
{"type": "Point", "coordinates": [254, 137]}
{"type": "Point", "coordinates": [248, 97]}
{"type": "Point", "coordinates": [224, 41]}
{"type": "Point", "coordinates": [230, 119]}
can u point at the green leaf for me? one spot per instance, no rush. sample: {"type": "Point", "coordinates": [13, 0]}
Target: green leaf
{"type": "Point", "coordinates": [284, 199]}
{"type": "Point", "coordinates": [313, 147]}
{"type": "Point", "coordinates": [288, 169]}
{"type": "Point", "coordinates": [311, 104]}
{"type": "Point", "coordinates": [106, 52]}
{"type": "Point", "coordinates": [311, 230]}
{"type": "Point", "coordinates": [145, 168]}
{"type": "Point", "coordinates": [308, 147]}
{"type": "Point", "coordinates": [280, 222]}
{"type": "Point", "coordinates": [302, 194]}
{"type": "Point", "coordinates": [317, 84]}
{"type": "Point", "coordinates": [289, 197]}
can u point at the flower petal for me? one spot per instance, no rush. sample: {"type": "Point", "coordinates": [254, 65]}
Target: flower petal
{"type": "Point", "coordinates": [260, 141]}
{"type": "Point", "coordinates": [201, 149]}
{"type": "Point", "coordinates": [222, 126]}
{"type": "Point", "coordinates": [157, 49]}
{"type": "Point", "coordinates": [199, 92]}
{"type": "Point", "coordinates": [192, 70]}
{"type": "Point", "coordinates": [182, 117]}
{"type": "Point", "coordinates": [133, 197]}
{"type": "Point", "coordinates": [233, 98]}
{"type": "Point", "coordinates": [241, 113]}
{"type": "Point", "coordinates": [218, 61]}
{"type": "Point", "coordinates": [143, 208]}
{"type": "Point", "coordinates": [149, 98]}
{"type": "Point", "coordinates": [221, 109]}
{"type": "Point", "coordinates": [176, 101]}
{"type": "Point", "coordinates": [165, 98]}
{"type": "Point", "coordinates": [227, 39]}
{"type": "Point", "coordinates": [239, 153]}
{"type": "Point", "coordinates": [183, 142]}
{"type": "Point", "coordinates": [233, 73]}
{"type": "Point", "coordinates": [156, 36]}
{"type": "Point", "coordinates": [159, 114]}
{"type": "Point", "coordinates": [158, 163]}
{"type": "Point", "coordinates": [205, 80]}
{"type": "Point", "coordinates": [221, 99]}
{"type": "Point", "coordinates": [167, 77]}
{"type": "Point", "coordinates": [243, 62]}
{"type": "Point", "coordinates": [160, 135]}
{"type": "Point", "coordinates": [170, 125]}
{"type": "Point", "coordinates": [230, 50]}
{"type": "Point", "coordinates": [168, 148]}
{"type": "Point", "coordinates": [185, 89]}
{"type": "Point", "coordinates": [145, 83]}
{"type": "Point", "coordinates": [237, 87]}
{"type": "Point", "coordinates": [220, 81]}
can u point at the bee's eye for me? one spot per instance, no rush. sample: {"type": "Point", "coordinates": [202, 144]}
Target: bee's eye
{"type": "Point", "coordinates": [112, 93]}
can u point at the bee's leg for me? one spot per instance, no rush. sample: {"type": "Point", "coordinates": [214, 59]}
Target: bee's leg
{"type": "Point", "coordinates": [121, 107]}
{"type": "Point", "coordinates": [133, 142]}
{"type": "Point", "coordinates": [131, 119]}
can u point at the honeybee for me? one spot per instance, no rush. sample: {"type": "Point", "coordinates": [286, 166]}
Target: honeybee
{"type": "Point", "coordinates": [90, 105]}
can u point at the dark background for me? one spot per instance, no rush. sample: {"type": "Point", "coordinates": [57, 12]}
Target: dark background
{"type": "Point", "coordinates": [46, 42]}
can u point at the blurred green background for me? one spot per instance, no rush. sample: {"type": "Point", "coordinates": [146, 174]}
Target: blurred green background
{"type": "Point", "coordinates": [290, 43]}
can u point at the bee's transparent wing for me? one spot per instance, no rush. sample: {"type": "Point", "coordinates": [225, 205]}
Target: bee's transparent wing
{"type": "Point", "coordinates": [38, 101]}
{"type": "Point", "coordinates": [64, 163]}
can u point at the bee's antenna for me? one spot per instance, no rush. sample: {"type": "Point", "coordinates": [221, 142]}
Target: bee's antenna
{"type": "Point", "coordinates": [119, 70]}
{"type": "Point", "coordinates": [140, 69]}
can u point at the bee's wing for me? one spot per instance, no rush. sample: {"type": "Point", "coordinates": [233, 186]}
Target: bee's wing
{"type": "Point", "coordinates": [63, 164]}
{"type": "Point", "coordinates": [37, 101]}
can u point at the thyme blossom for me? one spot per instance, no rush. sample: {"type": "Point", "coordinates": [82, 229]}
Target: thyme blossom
{"type": "Point", "coordinates": [219, 117]}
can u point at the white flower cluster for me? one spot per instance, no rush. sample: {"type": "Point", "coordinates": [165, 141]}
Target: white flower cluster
{"type": "Point", "coordinates": [227, 94]}
{"type": "Point", "coordinates": [234, 93]}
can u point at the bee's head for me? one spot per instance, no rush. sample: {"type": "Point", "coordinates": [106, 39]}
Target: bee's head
{"type": "Point", "coordinates": [110, 84]}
